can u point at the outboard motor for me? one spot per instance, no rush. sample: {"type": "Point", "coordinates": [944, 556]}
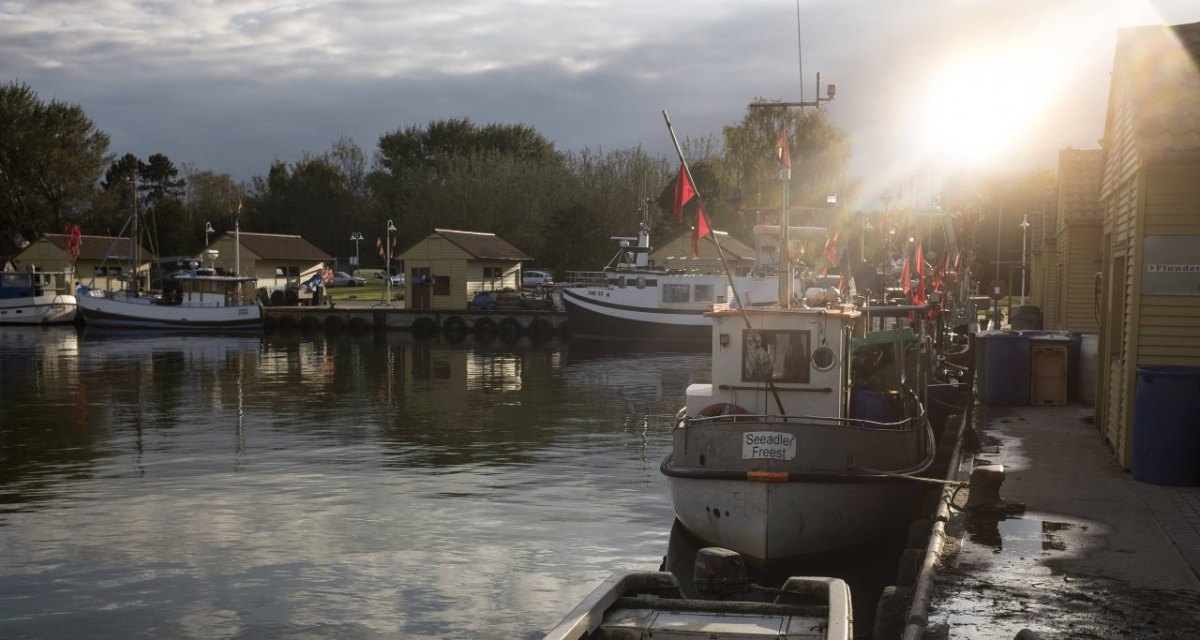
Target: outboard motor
{"type": "Point", "coordinates": [720, 573]}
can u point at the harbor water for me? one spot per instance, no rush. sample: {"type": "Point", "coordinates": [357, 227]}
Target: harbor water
{"type": "Point", "coordinates": [351, 486]}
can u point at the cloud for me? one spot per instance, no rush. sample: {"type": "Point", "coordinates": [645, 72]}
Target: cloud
{"type": "Point", "coordinates": [232, 85]}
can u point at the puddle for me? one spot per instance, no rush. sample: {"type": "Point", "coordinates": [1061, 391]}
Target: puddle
{"type": "Point", "coordinates": [1021, 535]}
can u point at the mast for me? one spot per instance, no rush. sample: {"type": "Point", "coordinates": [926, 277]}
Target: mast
{"type": "Point", "coordinates": [134, 257]}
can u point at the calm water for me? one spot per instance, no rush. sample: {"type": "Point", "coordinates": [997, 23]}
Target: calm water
{"type": "Point", "coordinates": [305, 486]}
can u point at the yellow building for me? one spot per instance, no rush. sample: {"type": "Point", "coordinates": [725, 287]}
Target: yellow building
{"type": "Point", "coordinates": [104, 262]}
{"type": "Point", "coordinates": [1150, 197]}
{"type": "Point", "coordinates": [1079, 235]}
{"type": "Point", "coordinates": [277, 260]}
{"type": "Point", "coordinates": [448, 267]}
{"type": "Point", "coordinates": [677, 254]}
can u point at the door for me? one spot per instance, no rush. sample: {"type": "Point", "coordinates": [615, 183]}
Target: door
{"type": "Point", "coordinates": [421, 286]}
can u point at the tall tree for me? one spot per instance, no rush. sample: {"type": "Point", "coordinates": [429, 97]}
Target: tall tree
{"type": "Point", "coordinates": [51, 156]}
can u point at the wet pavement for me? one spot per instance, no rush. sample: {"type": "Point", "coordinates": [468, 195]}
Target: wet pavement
{"type": "Point", "coordinates": [1094, 554]}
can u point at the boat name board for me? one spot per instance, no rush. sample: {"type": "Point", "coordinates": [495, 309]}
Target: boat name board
{"type": "Point", "coordinates": [771, 445]}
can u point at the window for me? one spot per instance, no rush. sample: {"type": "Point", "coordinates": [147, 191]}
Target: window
{"type": "Point", "coordinates": [441, 285]}
{"type": "Point", "coordinates": [493, 272]}
{"type": "Point", "coordinates": [675, 293]}
{"type": "Point", "coordinates": [703, 293]}
{"type": "Point", "coordinates": [293, 272]}
{"type": "Point", "coordinates": [777, 356]}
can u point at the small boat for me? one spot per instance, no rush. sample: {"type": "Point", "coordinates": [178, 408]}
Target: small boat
{"type": "Point", "coordinates": [651, 604]}
{"type": "Point", "coordinates": [633, 303]}
{"type": "Point", "coordinates": [193, 300]}
{"type": "Point", "coordinates": [35, 297]}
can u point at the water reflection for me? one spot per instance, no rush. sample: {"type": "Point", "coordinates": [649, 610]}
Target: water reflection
{"type": "Point", "coordinates": [323, 486]}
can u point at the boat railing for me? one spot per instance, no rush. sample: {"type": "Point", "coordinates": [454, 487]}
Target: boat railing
{"type": "Point", "coordinates": [906, 424]}
{"type": "Point", "coordinates": [586, 277]}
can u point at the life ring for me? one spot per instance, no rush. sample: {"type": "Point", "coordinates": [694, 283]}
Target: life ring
{"type": "Point", "coordinates": [510, 329]}
{"type": "Point", "coordinates": [721, 409]}
{"type": "Point", "coordinates": [454, 325]}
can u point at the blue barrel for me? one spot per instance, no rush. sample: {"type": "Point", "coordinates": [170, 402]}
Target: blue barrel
{"type": "Point", "coordinates": [1006, 369]}
{"type": "Point", "coordinates": [878, 406]}
{"type": "Point", "coordinates": [1166, 426]}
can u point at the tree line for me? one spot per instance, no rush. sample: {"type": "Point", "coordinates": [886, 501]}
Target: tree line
{"type": "Point", "coordinates": [56, 169]}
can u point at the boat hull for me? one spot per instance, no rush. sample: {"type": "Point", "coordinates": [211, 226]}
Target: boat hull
{"type": "Point", "coordinates": [112, 313]}
{"type": "Point", "coordinates": [770, 488]}
{"type": "Point", "coordinates": [596, 319]}
{"type": "Point", "coordinates": [775, 520]}
{"type": "Point", "coordinates": [45, 309]}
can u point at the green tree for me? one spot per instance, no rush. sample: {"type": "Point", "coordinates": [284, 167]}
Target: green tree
{"type": "Point", "coordinates": [51, 156]}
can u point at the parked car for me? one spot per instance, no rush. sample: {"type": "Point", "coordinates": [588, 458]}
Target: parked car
{"type": "Point", "coordinates": [398, 280]}
{"type": "Point", "coordinates": [343, 279]}
{"type": "Point", "coordinates": [533, 278]}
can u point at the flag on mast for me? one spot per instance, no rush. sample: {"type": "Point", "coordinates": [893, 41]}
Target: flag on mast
{"type": "Point", "coordinates": [783, 153]}
{"type": "Point", "coordinates": [702, 229]}
{"type": "Point", "coordinates": [684, 192]}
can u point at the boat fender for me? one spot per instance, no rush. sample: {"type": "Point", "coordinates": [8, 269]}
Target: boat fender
{"type": "Point", "coordinates": [454, 325]}
{"type": "Point", "coordinates": [721, 409]}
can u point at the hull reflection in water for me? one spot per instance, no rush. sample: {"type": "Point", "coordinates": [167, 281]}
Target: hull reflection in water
{"type": "Point", "coordinates": [363, 486]}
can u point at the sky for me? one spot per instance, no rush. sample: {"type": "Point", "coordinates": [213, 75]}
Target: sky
{"type": "Point", "coordinates": [924, 87]}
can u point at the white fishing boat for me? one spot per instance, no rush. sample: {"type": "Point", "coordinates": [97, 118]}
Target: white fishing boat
{"type": "Point", "coordinates": [36, 297]}
{"type": "Point", "coordinates": [196, 300]}
{"type": "Point", "coordinates": [633, 303]}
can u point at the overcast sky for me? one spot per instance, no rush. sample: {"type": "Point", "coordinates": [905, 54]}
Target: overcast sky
{"type": "Point", "coordinates": [231, 85]}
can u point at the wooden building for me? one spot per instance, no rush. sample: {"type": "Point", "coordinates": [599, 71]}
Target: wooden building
{"type": "Point", "coordinates": [1150, 198]}
{"type": "Point", "coordinates": [277, 260]}
{"type": "Point", "coordinates": [104, 262]}
{"type": "Point", "coordinates": [1078, 235]}
{"type": "Point", "coordinates": [448, 268]}
{"type": "Point", "coordinates": [677, 254]}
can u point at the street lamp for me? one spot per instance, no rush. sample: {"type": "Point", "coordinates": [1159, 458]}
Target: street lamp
{"type": "Point", "coordinates": [1024, 241]}
{"type": "Point", "coordinates": [387, 268]}
{"type": "Point", "coordinates": [208, 230]}
{"type": "Point", "coordinates": [355, 237]}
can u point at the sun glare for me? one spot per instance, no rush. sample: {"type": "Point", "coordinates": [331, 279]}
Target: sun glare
{"type": "Point", "coordinates": [980, 105]}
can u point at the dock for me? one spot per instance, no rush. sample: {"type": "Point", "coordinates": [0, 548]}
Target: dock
{"type": "Point", "coordinates": [363, 317]}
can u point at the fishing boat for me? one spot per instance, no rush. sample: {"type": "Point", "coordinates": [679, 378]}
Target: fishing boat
{"type": "Point", "coordinates": [36, 297]}
{"type": "Point", "coordinates": [193, 300]}
{"type": "Point", "coordinates": [652, 604]}
{"type": "Point", "coordinates": [632, 302]}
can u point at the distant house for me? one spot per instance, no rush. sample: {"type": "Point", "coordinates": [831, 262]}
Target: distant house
{"type": "Point", "coordinates": [104, 262]}
{"type": "Point", "coordinates": [1150, 198]}
{"type": "Point", "coordinates": [677, 254]}
{"type": "Point", "coordinates": [277, 260]}
{"type": "Point", "coordinates": [447, 268]}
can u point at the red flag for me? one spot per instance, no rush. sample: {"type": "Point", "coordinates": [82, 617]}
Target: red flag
{"type": "Point", "coordinates": [379, 245]}
{"type": "Point", "coordinates": [831, 249]}
{"type": "Point", "coordinates": [782, 152]}
{"type": "Point", "coordinates": [684, 192]}
{"type": "Point", "coordinates": [905, 277]}
{"type": "Point", "coordinates": [824, 272]}
{"type": "Point", "coordinates": [919, 295]}
{"type": "Point", "coordinates": [939, 273]}
{"type": "Point", "coordinates": [702, 229]}
{"type": "Point", "coordinates": [74, 242]}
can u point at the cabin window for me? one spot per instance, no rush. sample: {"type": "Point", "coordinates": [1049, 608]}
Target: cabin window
{"type": "Point", "coordinates": [441, 285]}
{"type": "Point", "coordinates": [702, 293]}
{"type": "Point", "coordinates": [675, 293]}
{"type": "Point", "coordinates": [775, 356]}
{"type": "Point", "coordinates": [493, 272]}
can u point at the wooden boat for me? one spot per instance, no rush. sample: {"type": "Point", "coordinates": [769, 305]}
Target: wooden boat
{"type": "Point", "coordinates": [35, 297]}
{"type": "Point", "coordinates": [651, 604]}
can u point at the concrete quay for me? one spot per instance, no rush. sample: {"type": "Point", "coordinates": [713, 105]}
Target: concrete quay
{"type": "Point", "coordinates": [1094, 553]}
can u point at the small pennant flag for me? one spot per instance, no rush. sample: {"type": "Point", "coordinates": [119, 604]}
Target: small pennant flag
{"type": "Point", "coordinates": [702, 229]}
{"type": "Point", "coordinates": [684, 192]}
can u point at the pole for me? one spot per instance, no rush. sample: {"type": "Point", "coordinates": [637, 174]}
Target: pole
{"type": "Point", "coordinates": [1024, 242]}
{"type": "Point", "coordinates": [387, 268]}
